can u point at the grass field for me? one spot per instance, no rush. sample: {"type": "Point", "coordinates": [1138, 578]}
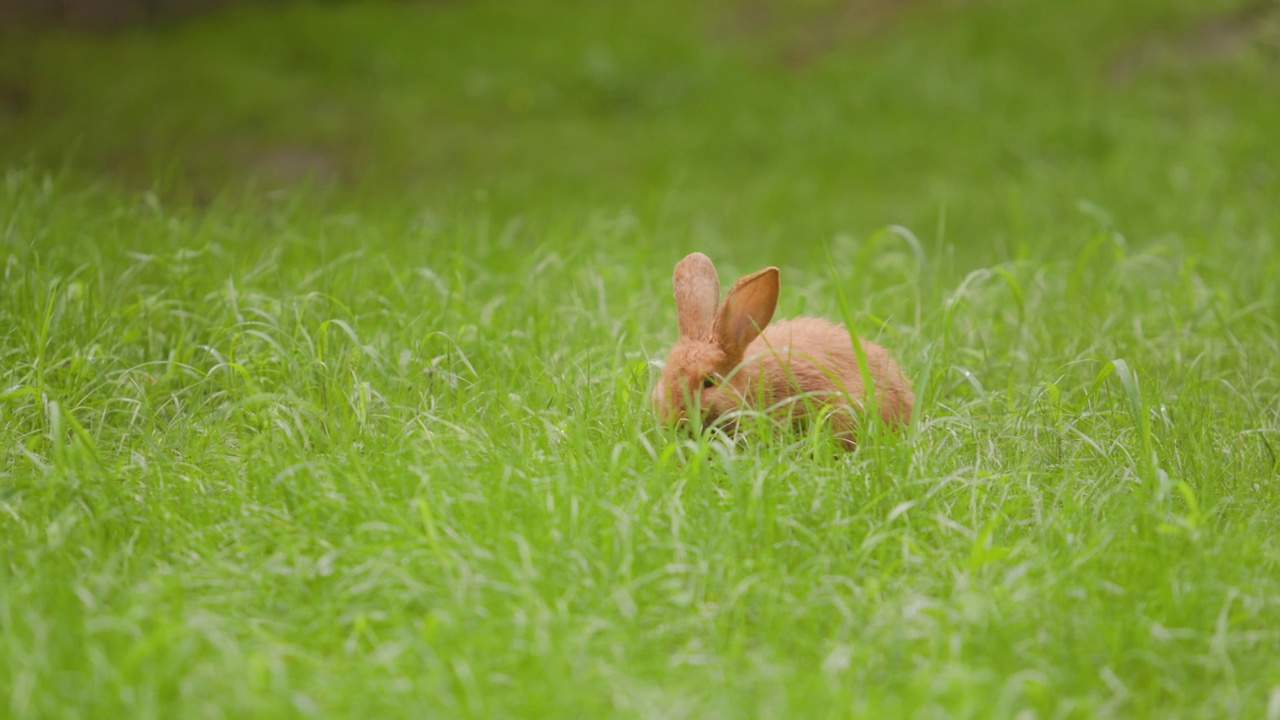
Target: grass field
{"type": "Point", "coordinates": [326, 335]}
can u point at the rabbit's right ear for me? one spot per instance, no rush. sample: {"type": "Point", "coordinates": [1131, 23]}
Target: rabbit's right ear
{"type": "Point", "coordinates": [697, 290]}
{"type": "Point", "coordinates": [746, 310]}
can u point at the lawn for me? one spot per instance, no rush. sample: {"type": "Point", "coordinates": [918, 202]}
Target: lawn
{"type": "Point", "coordinates": [327, 332]}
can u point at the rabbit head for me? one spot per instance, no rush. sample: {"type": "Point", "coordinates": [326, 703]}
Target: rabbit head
{"type": "Point", "coordinates": [701, 381]}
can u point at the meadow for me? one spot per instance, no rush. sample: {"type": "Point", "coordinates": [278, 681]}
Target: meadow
{"type": "Point", "coordinates": [327, 332]}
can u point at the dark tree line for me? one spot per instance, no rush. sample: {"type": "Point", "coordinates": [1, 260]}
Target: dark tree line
{"type": "Point", "coordinates": [101, 14]}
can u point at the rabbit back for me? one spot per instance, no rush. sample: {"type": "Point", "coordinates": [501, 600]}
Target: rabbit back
{"type": "Point", "coordinates": [815, 356]}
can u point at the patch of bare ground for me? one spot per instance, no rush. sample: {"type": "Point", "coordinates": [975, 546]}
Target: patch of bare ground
{"type": "Point", "coordinates": [15, 98]}
{"type": "Point", "coordinates": [797, 35]}
{"type": "Point", "coordinates": [200, 175]}
{"type": "Point", "coordinates": [266, 166]}
{"type": "Point", "coordinates": [1214, 38]}
{"type": "Point", "coordinates": [290, 165]}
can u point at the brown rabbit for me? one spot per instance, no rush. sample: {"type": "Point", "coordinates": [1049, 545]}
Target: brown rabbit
{"type": "Point", "coordinates": [729, 358]}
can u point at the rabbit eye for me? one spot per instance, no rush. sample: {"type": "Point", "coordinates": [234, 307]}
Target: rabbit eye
{"type": "Point", "coordinates": [708, 382]}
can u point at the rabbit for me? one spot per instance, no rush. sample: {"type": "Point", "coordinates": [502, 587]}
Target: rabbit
{"type": "Point", "coordinates": [729, 357]}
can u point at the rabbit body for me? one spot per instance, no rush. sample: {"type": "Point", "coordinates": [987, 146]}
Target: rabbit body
{"type": "Point", "coordinates": [729, 358]}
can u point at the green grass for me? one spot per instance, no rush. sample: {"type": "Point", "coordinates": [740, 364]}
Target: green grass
{"type": "Point", "coordinates": [380, 447]}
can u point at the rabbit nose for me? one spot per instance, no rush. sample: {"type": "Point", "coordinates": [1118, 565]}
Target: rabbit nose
{"type": "Point", "coordinates": [687, 426]}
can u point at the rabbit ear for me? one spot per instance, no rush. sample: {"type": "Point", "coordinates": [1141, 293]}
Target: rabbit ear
{"type": "Point", "coordinates": [747, 309]}
{"type": "Point", "coordinates": [697, 289]}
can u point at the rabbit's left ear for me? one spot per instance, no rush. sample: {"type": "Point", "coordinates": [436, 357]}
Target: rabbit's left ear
{"type": "Point", "coordinates": [697, 291]}
{"type": "Point", "coordinates": [747, 309]}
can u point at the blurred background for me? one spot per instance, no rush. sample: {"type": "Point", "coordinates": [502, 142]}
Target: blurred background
{"type": "Point", "coordinates": [1010, 127]}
